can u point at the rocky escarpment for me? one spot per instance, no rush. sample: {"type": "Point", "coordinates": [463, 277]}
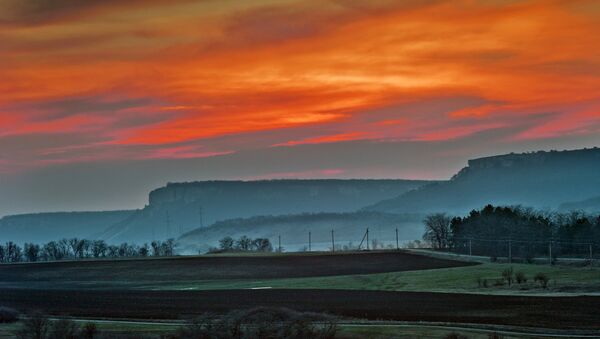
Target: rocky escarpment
{"type": "Point", "coordinates": [180, 207]}
{"type": "Point", "coordinates": [539, 179]}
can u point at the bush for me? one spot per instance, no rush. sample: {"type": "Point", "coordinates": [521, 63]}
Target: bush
{"type": "Point", "coordinates": [8, 315]}
{"type": "Point", "coordinates": [35, 326]}
{"type": "Point", "coordinates": [260, 322]}
{"type": "Point", "coordinates": [64, 329]}
{"type": "Point", "coordinates": [89, 331]}
{"type": "Point", "coordinates": [507, 275]}
{"type": "Point", "coordinates": [494, 335]}
{"type": "Point", "coordinates": [455, 335]}
{"type": "Point", "coordinates": [542, 279]}
{"type": "Point", "coordinates": [520, 277]}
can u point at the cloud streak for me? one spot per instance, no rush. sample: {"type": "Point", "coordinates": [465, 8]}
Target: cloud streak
{"type": "Point", "coordinates": [118, 80]}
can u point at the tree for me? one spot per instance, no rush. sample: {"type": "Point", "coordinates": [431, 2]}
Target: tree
{"type": "Point", "coordinates": [32, 252]}
{"type": "Point", "coordinates": [437, 230]}
{"type": "Point", "coordinates": [99, 248]}
{"type": "Point", "coordinates": [243, 243]}
{"type": "Point", "coordinates": [113, 251]}
{"type": "Point", "coordinates": [226, 244]}
{"type": "Point", "coordinates": [144, 250]}
{"type": "Point", "coordinates": [156, 248]}
{"type": "Point", "coordinates": [13, 252]}
{"type": "Point", "coordinates": [168, 248]}
{"type": "Point", "coordinates": [262, 245]}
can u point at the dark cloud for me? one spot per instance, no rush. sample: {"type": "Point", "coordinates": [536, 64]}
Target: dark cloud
{"type": "Point", "coordinates": [64, 107]}
{"type": "Point", "coordinates": [40, 12]}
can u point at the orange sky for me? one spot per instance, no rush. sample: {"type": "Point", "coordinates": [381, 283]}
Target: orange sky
{"type": "Point", "coordinates": [94, 80]}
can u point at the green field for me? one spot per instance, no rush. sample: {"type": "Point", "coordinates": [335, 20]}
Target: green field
{"type": "Point", "coordinates": [564, 280]}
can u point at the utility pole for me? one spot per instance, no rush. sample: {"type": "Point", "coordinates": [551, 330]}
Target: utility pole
{"type": "Point", "coordinates": [397, 244]}
{"type": "Point", "coordinates": [309, 242]}
{"type": "Point", "coordinates": [367, 239]}
{"type": "Point", "coordinates": [332, 242]}
{"type": "Point", "coordinates": [470, 247]}
{"type": "Point", "coordinates": [279, 243]}
{"type": "Point", "coordinates": [550, 251]}
{"type": "Point", "coordinates": [591, 257]}
{"type": "Point", "coordinates": [510, 251]}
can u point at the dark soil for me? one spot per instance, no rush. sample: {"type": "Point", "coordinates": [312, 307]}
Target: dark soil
{"type": "Point", "coordinates": [120, 273]}
{"type": "Point", "coordinates": [551, 312]}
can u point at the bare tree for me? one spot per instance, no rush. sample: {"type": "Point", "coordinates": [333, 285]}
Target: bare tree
{"type": "Point", "coordinates": [437, 230]}
{"type": "Point", "coordinates": [243, 243]}
{"type": "Point", "coordinates": [32, 252]}
{"type": "Point", "coordinates": [226, 244]}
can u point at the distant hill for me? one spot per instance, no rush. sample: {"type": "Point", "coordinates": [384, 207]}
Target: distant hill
{"type": "Point", "coordinates": [180, 207]}
{"type": "Point", "coordinates": [349, 228]}
{"type": "Point", "coordinates": [591, 205]}
{"type": "Point", "coordinates": [539, 179]}
{"type": "Point", "coordinates": [44, 227]}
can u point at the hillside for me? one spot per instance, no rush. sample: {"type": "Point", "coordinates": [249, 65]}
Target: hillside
{"type": "Point", "coordinates": [349, 228]}
{"type": "Point", "coordinates": [591, 205]}
{"type": "Point", "coordinates": [180, 207]}
{"type": "Point", "coordinates": [44, 227]}
{"type": "Point", "coordinates": [540, 180]}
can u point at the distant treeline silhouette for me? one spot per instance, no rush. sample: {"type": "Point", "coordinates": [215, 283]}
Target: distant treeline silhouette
{"type": "Point", "coordinates": [243, 244]}
{"type": "Point", "coordinates": [74, 248]}
{"type": "Point", "coordinates": [491, 230]}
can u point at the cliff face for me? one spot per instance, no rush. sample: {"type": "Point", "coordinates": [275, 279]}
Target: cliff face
{"type": "Point", "coordinates": [180, 207]}
{"type": "Point", "coordinates": [540, 179]}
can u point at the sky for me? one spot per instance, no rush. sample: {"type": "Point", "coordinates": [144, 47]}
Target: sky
{"type": "Point", "coordinates": [104, 100]}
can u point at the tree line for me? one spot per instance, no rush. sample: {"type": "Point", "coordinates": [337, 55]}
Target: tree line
{"type": "Point", "coordinates": [243, 244]}
{"type": "Point", "coordinates": [75, 248]}
{"type": "Point", "coordinates": [489, 230]}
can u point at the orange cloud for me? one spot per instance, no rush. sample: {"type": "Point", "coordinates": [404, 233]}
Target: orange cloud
{"type": "Point", "coordinates": [216, 69]}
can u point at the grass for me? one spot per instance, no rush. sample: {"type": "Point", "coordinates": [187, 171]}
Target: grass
{"type": "Point", "coordinates": [410, 331]}
{"type": "Point", "coordinates": [106, 327]}
{"type": "Point", "coordinates": [345, 331]}
{"type": "Point", "coordinates": [563, 279]}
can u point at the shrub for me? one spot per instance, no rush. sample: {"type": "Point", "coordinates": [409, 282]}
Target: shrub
{"type": "Point", "coordinates": [494, 335]}
{"type": "Point", "coordinates": [455, 335]}
{"type": "Point", "coordinates": [89, 331]}
{"type": "Point", "coordinates": [507, 275]}
{"type": "Point", "coordinates": [542, 279]}
{"type": "Point", "coordinates": [262, 322]}
{"type": "Point", "coordinates": [485, 283]}
{"type": "Point", "coordinates": [64, 329]}
{"type": "Point", "coordinates": [35, 326]}
{"type": "Point", "coordinates": [499, 282]}
{"type": "Point", "coordinates": [8, 315]}
{"type": "Point", "coordinates": [520, 277]}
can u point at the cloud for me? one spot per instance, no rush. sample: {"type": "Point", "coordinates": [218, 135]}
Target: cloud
{"type": "Point", "coordinates": [149, 80]}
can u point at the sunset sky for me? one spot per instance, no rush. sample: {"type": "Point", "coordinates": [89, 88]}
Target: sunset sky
{"type": "Point", "coordinates": [101, 100]}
